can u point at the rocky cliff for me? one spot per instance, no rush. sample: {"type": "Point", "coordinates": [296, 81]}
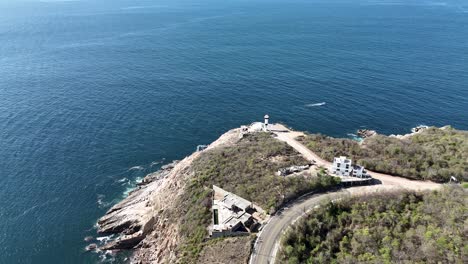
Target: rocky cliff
{"type": "Point", "coordinates": [143, 220]}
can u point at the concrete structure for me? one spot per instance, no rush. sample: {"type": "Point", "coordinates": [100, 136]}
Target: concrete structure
{"type": "Point", "coordinates": [232, 215]}
{"type": "Point", "coordinates": [266, 117]}
{"type": "Point", "coordinates": [342, 166]}
{"type": "Point", "coordinates": [292, 169]}
{"type": "Point", "coordinates": [359, 171]}
{"type": "Point", "coordinates": [257, 127]}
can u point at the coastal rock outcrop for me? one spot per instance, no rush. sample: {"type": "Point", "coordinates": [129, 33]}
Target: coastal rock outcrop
{"type": "Point", "coordinates": [365, 133]}
{"type": "Point", "coordinates": [133, 217]}
{"type": "Point", "coordinates": [142, 220]}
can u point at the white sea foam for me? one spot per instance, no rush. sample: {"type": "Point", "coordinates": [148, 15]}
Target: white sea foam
{"type": "Point", "coordinates": [127, 191]}
{"type": "Point", "coordinates": [104, 258]}
{"type": "Point", "coordinates": [101, 203]}
{"type": "Point", "coordinates": [355, 137]}
{"type": "Point", "coordinates": [136, 168]}
{"type": "Point", "coordinates": [131, 186]}
{"type": "Point", "coordinates": [154, 163]}
{"type": "Point", "coordinates": [104, 239]}
{"type": "Point", "coordinates": [315, 104]}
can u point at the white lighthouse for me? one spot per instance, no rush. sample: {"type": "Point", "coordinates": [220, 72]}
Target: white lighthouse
{"type": "Point", "coordinates": [267, 117]}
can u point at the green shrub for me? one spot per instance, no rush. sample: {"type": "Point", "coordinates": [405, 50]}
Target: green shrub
{"type": "Point", "coordinates": [434, 154]}
{"type": "Point", "coordinates": [248, 170]}
{"type": "Point", "coordinates": [383, 228]}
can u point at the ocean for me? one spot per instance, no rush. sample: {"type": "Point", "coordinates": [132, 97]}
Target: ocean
{"type": "Point", "coordinates": [95, 94]}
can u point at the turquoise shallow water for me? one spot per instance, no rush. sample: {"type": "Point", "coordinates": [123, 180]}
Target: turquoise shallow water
{"type": "Point", "coordinates": [94, 94]}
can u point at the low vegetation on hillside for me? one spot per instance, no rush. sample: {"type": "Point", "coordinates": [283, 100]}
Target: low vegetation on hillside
{"type": "Point", "coordinates": [248, 170]}
{"type": "Point", "coordinates": [384, 228]}
{"type": "Point", "coordinates": [434, 154]}
{"type": "Point", "coordinates": [232, 250]}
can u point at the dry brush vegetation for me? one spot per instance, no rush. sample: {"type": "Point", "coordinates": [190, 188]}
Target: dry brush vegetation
{"type": "Point", "coordinates": [434, 154]}
{"type": "Point", "coordinates": [385, 228]}
{"type": "Point", "coordinates": [246, 169]}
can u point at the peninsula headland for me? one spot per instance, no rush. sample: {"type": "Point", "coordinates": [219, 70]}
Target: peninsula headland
{"type": "Point", "coordinates": [236, 196]}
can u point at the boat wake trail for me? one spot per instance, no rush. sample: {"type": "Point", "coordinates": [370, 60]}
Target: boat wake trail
{"type": "Point", "coordinates": [315, 104]}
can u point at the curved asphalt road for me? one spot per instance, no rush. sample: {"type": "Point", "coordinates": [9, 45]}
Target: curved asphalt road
{"type": "Point", "coordinates": [268, 240]}
{"type": "Point", "coordinates": [267, 243]}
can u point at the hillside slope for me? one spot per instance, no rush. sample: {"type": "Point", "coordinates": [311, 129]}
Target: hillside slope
{"type": "Point", "coordinates": [166, 219]}
{"type": "Point", "coordinates": [399, 227]}
{"type": "Point", "coordinates": [434, 154]}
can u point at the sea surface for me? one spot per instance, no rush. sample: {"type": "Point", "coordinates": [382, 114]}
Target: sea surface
{"type": "Point", "coordinates": [95, 94]}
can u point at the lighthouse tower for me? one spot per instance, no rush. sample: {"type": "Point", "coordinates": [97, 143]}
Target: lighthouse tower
{"type": "Point", "coordinates": [266, 122]}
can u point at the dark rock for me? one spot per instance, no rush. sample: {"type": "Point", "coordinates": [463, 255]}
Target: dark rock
{"type": "Point", "coordinates": [91, 247]}
{"type": "Point", "coordinates": [419, 129]}
{"type": "Point", "coordinates": [365, 133]}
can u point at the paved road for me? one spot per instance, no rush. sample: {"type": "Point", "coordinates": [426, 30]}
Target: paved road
{"type": "Point", "coordinates": [267, 244]}
{"type": "Point", "coordinates": [268, 240]}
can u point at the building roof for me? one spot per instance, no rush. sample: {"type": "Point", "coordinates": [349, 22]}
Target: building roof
{"type": "Point", "coordinates": [224, 202]}
{"type": "Point", "coordinates": [256, 127]}
{"type": "Point", "coordinates": [342, 159]}
{"type": "Point", "coordinates": [231, 199]}
{"type": "Point", "coordinates": [357, 167]}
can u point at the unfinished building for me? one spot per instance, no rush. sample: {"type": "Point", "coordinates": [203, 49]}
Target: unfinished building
{"type": "Point", "coordinates": [233, 215]}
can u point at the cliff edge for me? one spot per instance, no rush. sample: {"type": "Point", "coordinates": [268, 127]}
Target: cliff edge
{"type": "Point", "coordinates": [142, 220]}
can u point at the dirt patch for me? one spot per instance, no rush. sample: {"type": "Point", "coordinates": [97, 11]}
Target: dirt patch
{"type": "Point", "coordinates": [232, 250]}
{"type": "Point", "coordinates": [277, 159]}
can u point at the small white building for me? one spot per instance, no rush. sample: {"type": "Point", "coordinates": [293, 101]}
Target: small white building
{"type": "Point", "coordinates": [359, 171]}
{"type": "Point", "coordinates": [259, 126]}
{"type": "Point", "coordinates": [342, 166]}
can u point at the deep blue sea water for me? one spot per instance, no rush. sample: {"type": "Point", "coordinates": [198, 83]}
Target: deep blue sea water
{"type": "Point", "coordinates": [94, 94]}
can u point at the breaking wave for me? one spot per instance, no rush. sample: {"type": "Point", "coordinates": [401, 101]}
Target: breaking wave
{"type": "Point", "coordinates": [136, 168]}
{"type": "Point", "coordinates": [101, 203]}
{"type": "Point", "coordinates": [104, 239]}
{"type": "Point", "coordinates": [158, 162]}
{"type": "Point", "coordinates": [355, 137]}
{"type": "Point", "coordinates": [123, 180]}
{"type": "Point", "coordinates": [131, 186]}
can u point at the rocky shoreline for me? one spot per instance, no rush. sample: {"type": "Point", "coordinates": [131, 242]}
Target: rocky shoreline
{"type": "Point", "coordinates": [366, 133]}
{"type": "Point", "coordinates": [132, 217]}
{"type": "Point", "coordinates": [142, 221]}
{"type": "Point", "coordinates": [147, 220]}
